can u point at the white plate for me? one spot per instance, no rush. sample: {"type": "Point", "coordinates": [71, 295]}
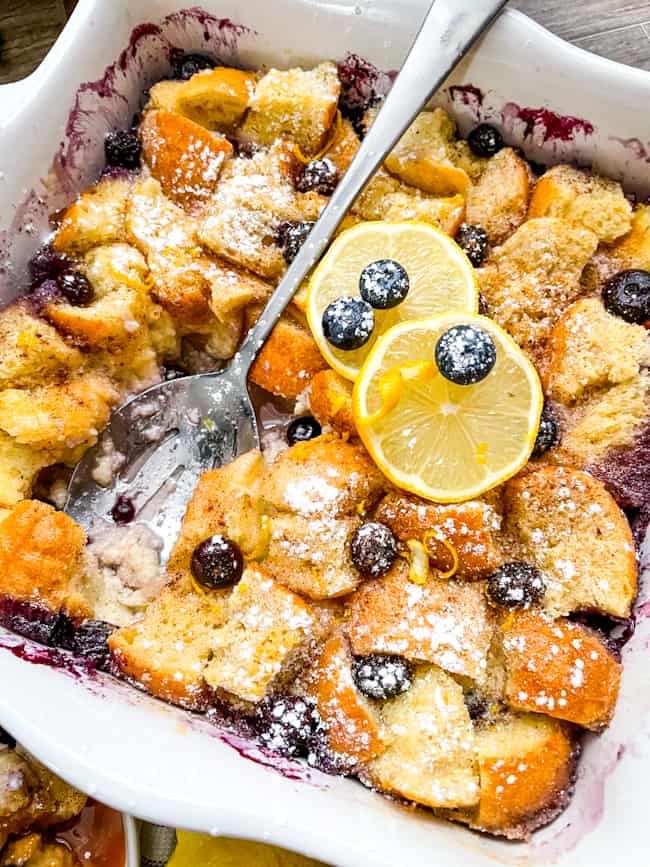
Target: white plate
{"type": "Point", "coordinates": [155, 761]}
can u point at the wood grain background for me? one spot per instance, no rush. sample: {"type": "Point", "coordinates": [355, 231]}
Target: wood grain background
{"type": "Point", "coordinates": [618, 29]}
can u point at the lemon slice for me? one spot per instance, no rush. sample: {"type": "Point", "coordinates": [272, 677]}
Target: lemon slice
{"type": "Point", "coordinates": [442, 441]}
{"type": "Point", "coordinates": [441, 278]}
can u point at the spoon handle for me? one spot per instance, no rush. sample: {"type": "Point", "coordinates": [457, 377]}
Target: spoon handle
{"type": "Point", "coordinates": [448, 31]}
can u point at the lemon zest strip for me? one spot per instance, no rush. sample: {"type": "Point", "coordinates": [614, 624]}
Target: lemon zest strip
{"type": "Point", "coordinates": [418, 559]}
{"type": "Point", "coordinates": [390, 386]}
{"type": "Point", "coordinates": [336, 128]}
{"type": "Point", "coordinates": [433, 534]}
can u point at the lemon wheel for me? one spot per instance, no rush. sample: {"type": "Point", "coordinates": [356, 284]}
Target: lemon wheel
{"type": "Point", "coordinates": [441, 278]}
{"type": "Point", "coordinates": [443, 441]}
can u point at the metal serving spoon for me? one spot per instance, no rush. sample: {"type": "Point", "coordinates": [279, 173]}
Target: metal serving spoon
{"type": "Point", "coordinates": [174, 431]}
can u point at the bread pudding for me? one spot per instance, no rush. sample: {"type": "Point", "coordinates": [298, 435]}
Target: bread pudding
{"type": "Point", "coordinates": [438, 621]}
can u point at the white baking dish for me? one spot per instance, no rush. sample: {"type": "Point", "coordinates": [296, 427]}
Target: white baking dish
{"type": "Point", "coordinates": [153, 760]}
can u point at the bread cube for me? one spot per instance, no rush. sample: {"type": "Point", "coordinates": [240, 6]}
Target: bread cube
{"type": "Point", "coordinates": [330, 401]}
{"type": "Point", "coordinates": [289, 359]}
{"type": "Point", "coordinates": [166, 652]}
{"type": "Point", "coordinates": [499, 201]}
{"type": "Point", "coordinates": [296, 103]}
{"type": "Point", "coordinates": [40, 554]}
{"type": "Point", "coordinates": [567, 524]}
{"type": "Point", "coordinates": [215, 98]}
{"type": "Point", "coordinates": [431, 758]}
{"type": "Point", "coordinates": [184, 157]}
{"type": "Point", "coordinates": [268, 634]}
{"type": "Point", "coordinates": [311, 555]}
{"type": "Point", "coordinates": [232, 289]}
{"type": "Point", "coordinates": [471, 528]}
{"type": "Point", "coordinates": [326, 476]}
{"type": "Point", "coordinates": [445, 622]}
{"type": "Point", "coordinates": [19, 466]}
{"type": "Point", "coordinates": [225, 501]}
{"type": "Point", "coordinates": [535, 276]}
{"type": "Point", "coordinates": [423, 156]}
{"type": "Point", "coordinates": [97, 217]}
{"type": "Point", "coordinates": [31, 350]}
{"type": "Point", "coordinates": [58, 417]}
{"type": "Point", "coordinates": [344, 146]}
{"type": "Point", "coordinates": [633, 250]}
{"type": "Point", "coordinates": [526, 769]}
{"type": "Point", "coordinates": [559, 668]}
{"type": "Point", "coordinates": [573, 194]}
{"type": "Point", "coordinates": [590, 349]}
{"type": "Point", "coordinates": [354, 727]}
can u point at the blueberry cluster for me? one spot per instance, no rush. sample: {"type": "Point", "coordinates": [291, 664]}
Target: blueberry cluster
{"type": "Point", "coordinates": [54, 278]}
{"type": "Point", "coordinates": [382, 677]}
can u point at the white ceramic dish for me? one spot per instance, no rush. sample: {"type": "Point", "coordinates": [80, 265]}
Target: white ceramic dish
{"type": "Point", "coordinates": [155, 761]}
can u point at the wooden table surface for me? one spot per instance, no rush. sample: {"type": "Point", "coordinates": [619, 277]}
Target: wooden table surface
{"type": "Point", "coordinates": [618, 29]}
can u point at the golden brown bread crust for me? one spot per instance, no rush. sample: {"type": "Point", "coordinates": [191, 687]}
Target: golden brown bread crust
{"type": "Point", "coordinates": [499, 200]}
{"type": "Point", "coordinates": [354, 727]}
{"type": "Point", "coordinates": [97, 217]}
{"type": "Point", "coordinates": [445, 622]}
{"type": "Point", "coordinates": [183, 157]}
{"type": "Point", "coordinates": [565, 522]}
{"type": "Point", "coordinates": [526, 769]}
{"type": "Point", "coordinates": [471, 528]}
{"type": "Point", "coordinates": [40, 551]}
{"type": "Point", "coordinates": [215, 98]}
{"type": "Point", "coordinates": [431, 755]}
{"type": "Point", "coordinates": [344, 146]}
{"type": "Point", "coordinates": [559, 668]}
{"type": "Point", "coordinates": [330, 401]}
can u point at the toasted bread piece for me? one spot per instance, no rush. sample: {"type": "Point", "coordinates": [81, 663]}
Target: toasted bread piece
{"type": "Point", "coordinates": [225, 501]}
{"type": "Point", "coordinates": [233, 289]}
{"type": "Point", "coordinates": [215, 98]}
{"type": "Point", "coordinates": [311, 555]}
{"type": "Point", "coordinates": [58, 418]}
{"type": "Point", "coordinates": [183, 156]}
{"type": "Point", "coordinates": [19, 466]}
{"type": "Point", "coordinates": [526, 769]}
{"type": "Point", "coordinates": [445, 622]}
{"type": "Point", "coordinates": [610, 420]}
{"type": "Point", "coordinates": [254, 196]}
{"type": "Point", "coordinates": [297, 103]}
{"type": "Point", "coordinates": [289, 359]}
{"type": "Point", "coordinates": [423, 157]}
{"type": "Point", "coordinates": [330, 401]}
{"type": "Point", "coordinates": [387, 198]}
{"type": "Point", "coordinates": [268, 633]}
{"type": "Point", "coordinates": [326, 476]}
{"type": "Point", "coordinates": [31, 351]}
{"type": "Point", "coordinates": [354, 727]}
{"type": "Point", "coordinates": [530, 280]}
{"type": "Point", "coordinates": [97, 217]}
{"type": "Point", "coordinates": [565, 522]}
{"type": "Point", "coordinates": [40, 554]}
{"type": "Point", "coordinates": [165, 652]}
{"type": "Point", "coordinates": [431, 758]}
{"type": "Point", "coordinates": [632, 250]}
{"type": "Point", "coordinates": [471, 528]}
{"type": "Point", "coordinates": [559, 668]}
{"type": "Point", "coordinates": [591, 349]}
{"type": "Point", "coordinates": [344, 146]}
{"type": "Point", "coordinates": [499, 201]}
{"type": "Point", "coordinates": [572, 194]}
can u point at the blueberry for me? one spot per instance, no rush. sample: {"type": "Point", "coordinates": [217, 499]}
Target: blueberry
{"type": "Point", "coordinates": [75, 288]}
{"type": "Point", "coordinates": [473, 241]}
{"type": "Point", "coordinates": [484, 140]}
{"type": "Point", "coordinates": [477, 705]}
{"type": "Point", "coordinates": [184, 66]}
{"type": "Point", "coordinates": [288, 724]}
{"type": "Point", "coordinates": [548, 433]}
{"type": "Point", "coordinates": [516, 585]}
{"type": "Point", "coordinates": [123, 512]}
{"type": "Point", "coordinates": [384, 284]}
{"type": "Point", "coordinates": [382, 677]}
{"type": "Point", "coordinates": [465, 354]}
{"type": "Point", "coordinates": [302, 429]}
{"type": "Point", "coordinates": [122, 149]}
{"type": "Point", "coordinates": [292, 234]}
{"type": "Point", "coordinates": [348, 323]}
{"type": "Point", "coordinates": [373, 549]}
{"type": "Point", "coordinates": [217, 562]}
{"type": "Point", "coordinates": [45, 294]}
{"type": "Point", "coordinates": [627, 295]}
{"type": "Point", "coordinates": [318, 176]}
{"type": "Point", "coordinates": [91, 642]}
{"type": "Point", "coordinates": [46, 264]}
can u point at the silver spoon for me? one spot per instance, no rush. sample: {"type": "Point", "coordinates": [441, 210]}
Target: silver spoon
{"type": "Point", "coordinates": [174, 431]}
